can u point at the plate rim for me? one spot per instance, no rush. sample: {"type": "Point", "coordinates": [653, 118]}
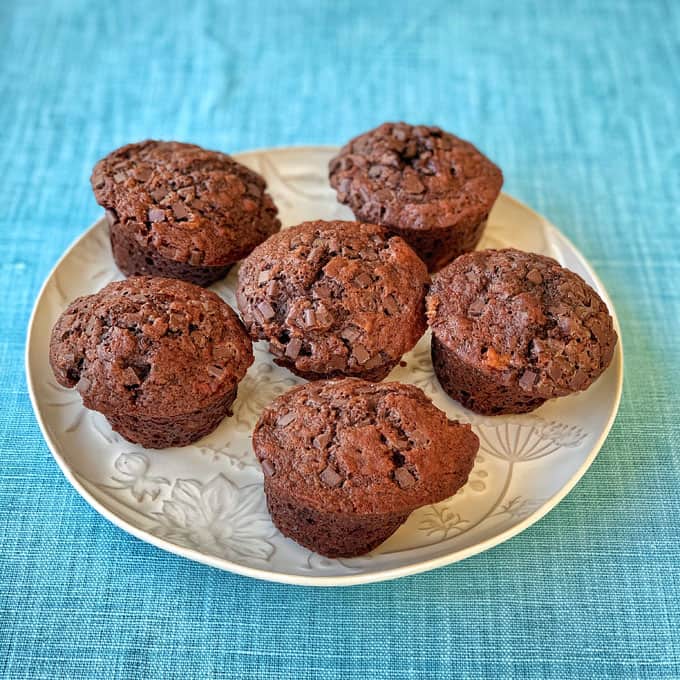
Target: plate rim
{"type": "Point", "coordinates": [330, 580]}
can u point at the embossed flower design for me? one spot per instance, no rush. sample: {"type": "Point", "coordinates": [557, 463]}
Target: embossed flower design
{"type": "Point", "coordinates": [423, 375]}
{"type": "Point", "coordinates": [256, 391]}
{"type": "Point", "coordinates": [527, 440]}
{"type": "Point", "coordinates": [561, 433]}
{"type": "Point", "coordinates": [440, 520]}
{"type": "Point", "coordinates": [518, 507]}
{"type": "Point", "coordinates": [218, 518]}
{"type": "Point", "coordinates": [133, 469]}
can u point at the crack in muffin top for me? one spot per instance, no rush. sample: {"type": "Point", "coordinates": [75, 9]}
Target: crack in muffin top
{"type": "Point", "coordinates": [150, 347]}
{"type": "Point", "coordinates": [415, 177]}
{"type": "Point", "coordinates": [359, 447]}
{"type": "Point", "coordinates": [524, 317]}
{"type": "Point", "coordinates": [334, 296]}
{"type": "Point", "coordinates": [190, 204]}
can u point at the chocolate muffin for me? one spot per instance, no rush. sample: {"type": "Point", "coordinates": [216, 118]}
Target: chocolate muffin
{"type": "Point", "coordinates": [512, 329]}
{"type": "Point", "coordinates": [346, 461]}
{"type": "Point", "coordinates": [334, 299]}
{"type": "Point", "coordinates": [177, 210]}
{"type": "Point", "coordinates": [431, 188]}
{"type": "Point", "coordinates": [160, 358]}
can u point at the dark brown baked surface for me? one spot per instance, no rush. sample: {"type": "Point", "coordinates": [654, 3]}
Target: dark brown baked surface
{"type": "Point", "coordinates": [136, 259]}
{"type": "Point", "coordinates": [148, 351]}
{"type": "Point", "coordinates": [187, 204]}
{"type": "Point", "coordinates": [428, 186]}
{"type": "Point", "coordinates": [346, 461]}
{"type": "Point", "coordinates": [334, 299]}
{"type": "Point", "coordinates": [358, 448]}
{"type": "Point", "coordinates": [512, 329]}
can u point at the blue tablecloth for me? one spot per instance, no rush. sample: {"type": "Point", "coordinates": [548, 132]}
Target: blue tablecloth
{"type": "Point", "coordinates": [578, 102]}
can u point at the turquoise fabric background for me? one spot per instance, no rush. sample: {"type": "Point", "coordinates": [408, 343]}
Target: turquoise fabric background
{"type": "Point", "coordinates": [578, 102]}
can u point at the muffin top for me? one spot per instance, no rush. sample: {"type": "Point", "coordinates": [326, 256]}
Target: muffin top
{"type": "Point", "coordinates": [190, 204]}
{"type": "Point", "coordinates": [353, 446]}
{"type": "Point", "coordinates": [334, 296]}
{"type": "Point", "coordinates": [150, 346]}
{"type": "Point", "coordinates": [415, 177]}
{"type": "Point", "coordinates": [523, 318]}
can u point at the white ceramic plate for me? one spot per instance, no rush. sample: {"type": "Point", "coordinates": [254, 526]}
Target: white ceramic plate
{"type": "Point", "coordinates": [205, 501]}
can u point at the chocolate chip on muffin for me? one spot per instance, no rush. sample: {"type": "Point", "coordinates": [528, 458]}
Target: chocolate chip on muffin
{"type": "Point", "coordinates": [160, 358]}
{"type": "Point", "coordinates": [431, 188]}
{"type": "Point", "coordinates": [512, 329]}
{"type": "Point", "coordinates": [334, 299]}
{"type": "Point", "coordinates": [180, 211]}
{"type": "Point", "coordinates": [346, 461]}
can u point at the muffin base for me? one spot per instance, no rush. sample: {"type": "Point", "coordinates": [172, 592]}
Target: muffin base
{"type": "Point", "coordinates": [372, 375]}
{"type": "Point", "coordinates": [330, 534]}
{"type": "Point", "coordinates": [474, 389]}
{"type": "Point", "coordinates": [438, 247]}
{"type": "Point", "coordinates": [135, 260]}
{"type": "Point", "coordinates": [162, 433]}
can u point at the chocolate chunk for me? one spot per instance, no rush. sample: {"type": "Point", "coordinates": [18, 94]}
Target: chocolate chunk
{"type": "Point", "coordinates": [98, 180]}
{"type": "Point", "coordinates": [130, 378]}
{"type": "Point", "coordinates": [309, 317]}
{"type": "Point", "coordinates": [361, 354]}
{"type": "Point", "coordinates": [323, 291]}
{"type": "Point", "coordinates": [179, 211]}
{"type": "Point", "coordinates": [217, 372]}
{"type": "Point", "coordinates": [176, 321]}
{"type": "Point", "coordinates": [555, 371]}
{"type": "Point", "coordinates": [391, 305]}
{"type": "Point", "coordinates": [253, 189]}
{"type": "Point", "coordinates": [119, 177]}
{"type": "Point", "coordinates": [385, 195]}
{"type": "Point", "coordinates": [363, 280]}
{"type": "Point", "coordinates": [526, 382]}
{"type": "Point", "coordinates": [276, 349]}
{"type": "Point", "coordinates": [224, 352]}
{"type": "Point", "coordinates": [535, 276]}
{"type": "Point", "coordinates": [198, 204]}
{"type": "Point", "coordinates": [273, 288]}
{"type": "Point", "coordinates": [567, 324]}
{"type": "Point", "coordinates": [266, 310]}
{"type": "Point", "coordinates": [195, 257]}
{"type": "Point", "coordinates": [293, 348]}
{"type": "Point", "coordinates": [375, 171]}
{"type": "Point", "coordinates": [350, 334]}
{"type": "Point", "coordinates": [285, 419]}
{"type": "Point", "coordinates": [476, 308]}
{"type": "Point", "coordinates": [404, 478]}
{"type": "Point", "coordinates": [337, 363]}
{"type": "Point", "coordinates": [187, 193]}
{"type": "Point", "coordinates": [330, 477]}
{"type": "Point", "coordinates": [369, 254]}
{"type": "Point", "coordinates": [374, 361]}
{"type": "Point", "coordinates": [268, 467]}
{"type": "Point", "coordinates": [399, 133]}
{"type": "Point", "coordinates": [158, 194]}
{"type": "Point", "coordinates": [156, 215]}
{"type": "Point", "coordinates": [142, 173]}
{"type": "Point", "coordinates": [413, 185]}
{"type": "Point", "coordinates": [321, 441]}
{"type": "Point", "coordinates": [323, 316]}
{"type": "Point", "coordinates": [264, 276]}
